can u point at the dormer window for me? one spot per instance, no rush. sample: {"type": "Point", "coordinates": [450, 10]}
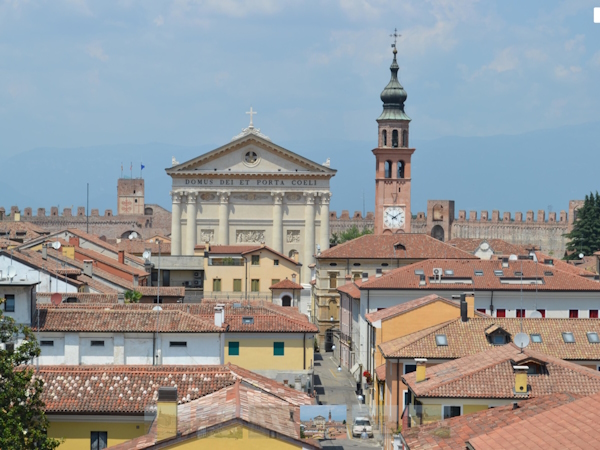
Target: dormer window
{"type": "Point", "coordinates": [535, 368]}
{"type": "Point", "coordinates": [498, 339]}
{"type": "Point", "coordinates": [248, 320]}
{"type": "Point", "coordinates": [569, 338]}
{"type": "Point", "coordinates": [497, 335]}
{"type": "Point", "coordinates": [593, 337]}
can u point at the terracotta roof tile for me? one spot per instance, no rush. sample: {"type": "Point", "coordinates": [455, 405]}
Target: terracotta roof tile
{"type": "Point", "coordinates": [21, 230]}
{"type": "Point", "coordinates": [455, 432]}
{"type": "Point", "coordinates": [138, 247]}
{"type": "Point", "coordinates": [468, 338]}
{"type": "Point", "coordinates": [91, 254]}
{"type": "Point", "coordinates": [499, 246]}
{"type": "Point", "coordinates": [394, 246]}
{"type": "Point", "coordinates": [380, 372]}
{"type": "Point", "coordinates": [82, 297]}
{"type": "Point", "coordinates": [351, 289]}
{"type": "Point", "coordinates": [243, 250]}
{"type": "Point", "coordinates": [286, 284]}
{"type": "Point", "coordinates": [490, 374]}
{"type": "Point", "coordinates": [562, 265]}
{"type": "Point", "coordinates": [552, 279]}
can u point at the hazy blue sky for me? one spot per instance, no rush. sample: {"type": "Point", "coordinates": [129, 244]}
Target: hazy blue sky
{"type": "Point", "coordinates": [80, 73]}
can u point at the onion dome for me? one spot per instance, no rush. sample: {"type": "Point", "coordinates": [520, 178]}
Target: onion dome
{"type": "Point", "coordinates": [393, 96]}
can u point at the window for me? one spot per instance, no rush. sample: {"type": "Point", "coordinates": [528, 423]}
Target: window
{"type": "Point", "coordinates": [388, 169]}
{"type": "Point", "coordinates": [451, 411]}
{"type": "Point", "coordinates": [256, 260]}
{"type": "Point", "coordinates": [47, 343]}
{"type": "Point", "coordinates": [333, 264]}
{"type": "Point", "coordinates": [441, 339]}
{"type": "Point", "coordinates": [275, 262]}
{"type": "Point", "coordinates": [97, 343]}
{"type": "Point", "coordinates": [536, 338]}
{"type": "Point", "coordinates": [569, 338]}
{"type": "Point", "coordinates": [255, 285]}
{"type": "Point", "coordinates": [395, 138]}
{"type": "Point", "coordinates": [400, 169]}
{"type": "Point", "coordinates": [384, 137]}
{"type": "Point", "coordinates": [479, 273]}
{"type": "Point", "coordinates": [234, 349]}
{"type": "Point", "coordinates": [520, 313]}
{"type": "Point", "coordinates": [237, 285]}
{"type": "Point", "coordinates": [9, 304]}
{"type": "Point", "coordinates": [177, 344]}
{"type": "Point", "coordinates": [500, 313]}
{"type": "Point", "coordinates": [404, 138]}
{"type": "Point", "coordinates": [333, 280]}
{"type": "Point", "coordinates": [217, 285]}
{"type": "Point", "coordinates": [278, 349]}
{"type": "Point", "coordinates": [481, 310]}
{"type": "Point", "coordinates": [499, 273]}
{"type": "Point", "coordinates": [247, 320]}
{"type": "Point", "coordinates": [593, 337]}
{"type": "Point", "coordinates": [98, 440]}
{"type": "Point", "coordinates": [410, 368]}
{"type": "Point", "coordinates": [356, 276]}
{"type": "Point", "coordinates": [275, 281]}
{"type": "Point", "coordinates": [542, 312]}
{"type": "Point", "coordinates": [534, 368]}
{"type": "Point", "coordinates": [573, 313]}
{"type": "Point", "coordinates": [593, 313]}
{"type": "Point", "coordinates": [498, 339]}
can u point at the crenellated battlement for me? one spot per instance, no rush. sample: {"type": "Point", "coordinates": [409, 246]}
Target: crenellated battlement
{"type": "Point", "coordinates": [507, 218]}
{"type": "Point", "coordinates": [346, 215]}
{"type": "Point", "coordinates": [54, 212]}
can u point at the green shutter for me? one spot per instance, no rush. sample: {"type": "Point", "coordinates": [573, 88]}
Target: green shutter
{"type": "Point", "coordinates": [217, 285]}
{"type": "Point", "coordinates": [237, 285]}
{"type": "Point", "coordinates": [278, 348]}
{"type": "Point", "coordinates": [234, 349]}
{"type": "Point", "coordinates": [255, 285]}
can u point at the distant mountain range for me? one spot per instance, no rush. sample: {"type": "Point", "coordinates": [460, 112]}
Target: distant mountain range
{"type": "Point", "coordinates": [507, 172]}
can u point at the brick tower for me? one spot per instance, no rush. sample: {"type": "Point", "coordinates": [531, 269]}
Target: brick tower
{"type": "Point", "coordinates": [130, 196]}
{"type": "Point", "coordinates": [392, 176]}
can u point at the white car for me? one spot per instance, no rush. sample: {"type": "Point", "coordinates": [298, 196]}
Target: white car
{"type": "Point", "coordinates": [362, 425]}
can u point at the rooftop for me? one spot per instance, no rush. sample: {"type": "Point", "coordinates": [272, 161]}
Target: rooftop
{"type": "Point", "coordinates": [286, 284]}
{"type": "Point", "coordinates": [498, 246]}
{"type": "Point", "coordinates": [243, 250]}
{"type": "Point", "coordinates": [490, 374]}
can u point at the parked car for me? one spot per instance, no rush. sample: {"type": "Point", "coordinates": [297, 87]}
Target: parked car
{"type": "Point", "coordinates": [360, 425]}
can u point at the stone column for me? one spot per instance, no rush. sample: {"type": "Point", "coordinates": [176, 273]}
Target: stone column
{"type": "Point", "coordinates": [176, 224]}
{"type": "Point", "coordinates": [309, 236]}
{"type": "Point", "coordinates": [224, 218]}
{"type": "Point", "coordinates": [277, 221]}
{"type": "Point", "coordinates": [324, 241]}
{"type": "Point", "coordinates": [192, 212]}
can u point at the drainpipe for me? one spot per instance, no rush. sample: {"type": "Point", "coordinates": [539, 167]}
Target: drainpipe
{"type": "Point", "coordinates": [492, 304]}
{"type": "Point", "coordinates": [246, 277]}
{"type": "Point", "coordinates": [397, 392]}
{"type": "Point", "coordinates": [304, 348]}
{"type": "Point", "coordinates": [368, 334]}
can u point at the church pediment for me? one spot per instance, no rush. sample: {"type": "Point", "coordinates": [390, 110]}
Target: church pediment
{"type": "Point", "coordinates": [250, 155]}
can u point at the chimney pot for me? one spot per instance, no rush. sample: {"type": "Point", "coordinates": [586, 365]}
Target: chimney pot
{"type": "Point", "coordinates": [521, 379]}
{"type": "Point", "coordinates": [122, 256]}
{"type": "Point", "coordinates": [421, 369]}
{"type": "Point", "coordinates": [470, 299]}
{"type": "Point", "coordinates": [218, 316]}
{"type": "Point", "coordinates": [464, 315]}
{"type": "Point", "coordinates": [88, 267]}
{"type": "Point", "coordinates": [166, 413]}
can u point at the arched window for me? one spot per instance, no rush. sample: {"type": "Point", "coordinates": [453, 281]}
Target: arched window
{"type": "Point", "coordinates": [400, 169]}
{"type": "Point", "coordinates": [404, 138]}
{"type": "Point", "coordinates": [388, 169]}
{"type": "Point", "coordinates": [148, 211]}
{"type": "Point", "coordinates": [395, 138]}
{"type": "Point", "coordinates": [384, 137]}
{"type": "Point", "coordinates": [437, 232]}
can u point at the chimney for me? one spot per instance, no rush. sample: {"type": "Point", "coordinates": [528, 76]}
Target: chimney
{"type": "Point", "coordinates": [122, 256]}
{"type": "Point", "coordinates": [505, 262]}
{"type": "Point", "coordinates": [365, 276]}
{"type": "Point", "coordinates": [121, 298]}
{"type": "Point", "coordinates": [521, 379]}
{"type": "Point", "coordinates": [378, 273]}
{"type": "Point", "coordinates": [88, 267]}
{"type": "Point", "coordinates": [74, 241]}
{"type": "Point", "coordinates": [464, 315]}
{"type": "Point", "coordinates": [470, 299]}
{"type": "Point", "coordinates": [136, 280]}
{"type": "Point", "coordinates": [166, 413]}
{"type": "Point", "coordinates": [45, 252]}
{"type": "Point", "coordinates": [218, 316]}
{"type": "Point", "coordinates": [421, 369]}
{"type": "Point", "coordinates": [422, 280]}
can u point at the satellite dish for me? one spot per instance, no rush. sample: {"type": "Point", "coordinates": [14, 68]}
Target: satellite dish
{"type": "Point", "coordinates": [521, 340]}
{"type": "Point", "coordinates": [513, 258]}
{"type": "Point", "coordinates": [581, 255]}
{"type": "Point", "coordinates": [484, 246]}
{"type": "Point", "coordinates": [133, 235]}
{"type": "Point", "coordinates": [536, 315]}
{"type": "Point", "coordinates": [56, 245]}
{"type": "Point", "coordinates": [147, 254]}
{"type": "Point", "coordinates": [12, 272]}
{"type": "Point", "coordinates": [56, 299]}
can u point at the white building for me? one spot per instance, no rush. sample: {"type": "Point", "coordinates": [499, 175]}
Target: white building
{"type": "Point", "coordinates": [19, 299]}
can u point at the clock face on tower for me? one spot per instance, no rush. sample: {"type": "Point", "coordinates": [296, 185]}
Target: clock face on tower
{"type": "Point", "coordinates": [393, 217]}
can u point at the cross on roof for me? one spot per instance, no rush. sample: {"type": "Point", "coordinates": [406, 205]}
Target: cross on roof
{"type": "Point", "coordinates": [395, 35]}
{"type": "Point", "coordinates": [251, 113]}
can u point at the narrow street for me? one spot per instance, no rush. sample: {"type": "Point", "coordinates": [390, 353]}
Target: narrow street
{"type": "Point", "coordinates": [335, 387]}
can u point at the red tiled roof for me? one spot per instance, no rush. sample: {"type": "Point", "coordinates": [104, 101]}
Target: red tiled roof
{"type": "Point", "coordinates": [243, 250]}
{"type": "Point", "coordinates": [394, 246]}
{"type": "Point", "coordinates": [455, 432]}
{"type": "Point", "coordinates": [96, 240]}
{"type": "Point", "coordinates": [165, 291]}
{"type": "Point", "coordinates": [138, 247]}
{"type": "Point", "coordinates": [21, 230]}
{"type": "Point", "coordinates": [499, 246]}
{"type": "Point", "coordinates": [352, 289]}
{"type": "Point", "coordinates": [96, 285]}
{"type": "Point", "coordinates": [401, 308]}
{"type": "Point", "coordinates": [5, 243]}
{"type": "Point", "coordinates": [286, 284]}
{"type": "Point", "coordinates": [128, 321]}
{"type": "Point", "coordinates": [91, 254]}
{"type": "Point", "coordinates": [562, 265]}
{"type": "Point", "coordinates": [573, 425]}
{"type": "Point", "coordinates": [468, 338]}
{"type": "Point", "coordinates": [405, 277]}
{"type": "Point", "coordinates": [380, 372]}
{"type": "Point", "coordinates": [34, 259]}
{"type": "Point", "coordinates": [490, 374]}
{"type": "Point", "coordinates": [82, 297]}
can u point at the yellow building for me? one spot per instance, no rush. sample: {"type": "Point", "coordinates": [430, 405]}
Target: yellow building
{"type": "Point", "coordinates": [244, 271]}
{"type": "Point", "coordinates": [99, 407]}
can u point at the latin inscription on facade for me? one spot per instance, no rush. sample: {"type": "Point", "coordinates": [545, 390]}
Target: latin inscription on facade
{"type": "Point", "coordinates": [257, 183]}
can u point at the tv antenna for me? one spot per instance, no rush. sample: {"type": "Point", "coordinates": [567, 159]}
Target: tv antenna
{"type": "Point", "coordinates": [521, 340]}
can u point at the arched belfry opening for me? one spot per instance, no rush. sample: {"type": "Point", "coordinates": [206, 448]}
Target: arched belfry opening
{"type": "Point", "coordinates": [437, 232]}
{"type": "Point", "coordinates": [400, 169]}
{"type": "Point", "coordinates": [384, 138]}
{"type": "Point", "coordinates": [388, 169]}
{"type": "Point", "coordinates": [404, 138]}
{"type": "Point", "coordinates": [395, 138]}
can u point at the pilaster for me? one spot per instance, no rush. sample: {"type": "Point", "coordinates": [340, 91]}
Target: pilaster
{"type": "Point", "coordinates": [176, 224]}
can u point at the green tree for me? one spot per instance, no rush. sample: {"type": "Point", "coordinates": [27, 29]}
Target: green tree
{"type": "Point", "coordinates": [132, 296]}
{"type": "Point", "coordinates": [23, 423]}
{"type": "Point", "coordinates": [353, 233]}
{"type": "Point", "coordinates": [585, 235]}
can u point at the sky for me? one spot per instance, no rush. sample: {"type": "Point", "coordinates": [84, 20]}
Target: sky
{"type": "Point", "coordinates": [81, 73]}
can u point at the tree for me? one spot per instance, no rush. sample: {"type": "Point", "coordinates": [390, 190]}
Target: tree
{"type": "Point", "coordinates": [23, 423]}
{"type": "Point", "coordinates": [351, 233]}
{"type": "Point", "coordinates": [132, 296]}
{"type": "Point", "coordinates": [585, 235]}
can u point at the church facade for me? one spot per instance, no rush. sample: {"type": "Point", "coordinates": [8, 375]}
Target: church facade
{"type": "Point", "coordinates": [252, 191]}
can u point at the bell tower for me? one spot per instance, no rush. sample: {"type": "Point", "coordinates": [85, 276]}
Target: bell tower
{"type": "Point", "coordinates": [392, 156]}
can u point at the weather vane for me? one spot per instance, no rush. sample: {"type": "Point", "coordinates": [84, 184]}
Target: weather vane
{"type": "Point", "coordinates": [395, 35]}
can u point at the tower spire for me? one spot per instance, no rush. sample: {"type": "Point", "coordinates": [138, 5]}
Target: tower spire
{"type": "Point", "coordinates": [393, 95]}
